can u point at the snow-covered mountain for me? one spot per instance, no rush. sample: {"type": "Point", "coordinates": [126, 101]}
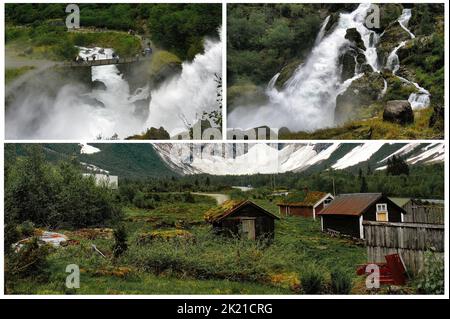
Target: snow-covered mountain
{"type": "Point", "coordinates": [243, 159]}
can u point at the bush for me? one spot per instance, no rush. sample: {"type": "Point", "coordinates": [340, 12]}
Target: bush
{"type": "Point", "coordinates": [341, 282]}
{"type": "Point", "coordinates": [312, 281]}
{"type": "Point", "coordinates": [431, 279]}
{"type": "Point", "coordinates": [26, 229]}
{"type": "Point", "coordinates": [29, 261]}
{"type": "Point", "coordinates": [120, 241]}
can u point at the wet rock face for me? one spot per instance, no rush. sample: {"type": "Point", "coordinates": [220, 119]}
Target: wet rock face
{"type": "Point", "coordinates": [98, 85]}
{"type": "Point", "coordinates": [353, 36]}
{"type": "Point", "coordinates": [361, 93]}
{"type": "Point", "coordinates": [398, 111]}
{"type": "Point", "coordinates": [348, 63]}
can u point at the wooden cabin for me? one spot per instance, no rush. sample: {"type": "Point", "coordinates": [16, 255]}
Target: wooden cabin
{"type": "Point", "coordinates": [346, 213]}
{"type": "Point", "coordinates": [242, 218]}
{"type": "Point", "coordinates": [312, 203]}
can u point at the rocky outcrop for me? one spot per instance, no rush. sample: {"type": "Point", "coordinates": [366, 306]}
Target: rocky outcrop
{"type": "Point", "coordinates": [287, 72]}
{"type": "Point", "coordinates": [355, 38]}
{"type": "Point", "coordinates": [393, 35]}
{"type": "Point", "coordinates": [398, 111]}
{"type": "Point", "coordinates": [437, 118]}
{"type": "Point", "coordinates": [98, 85]}
{"type": "Point", "coordinates": [361, 93]}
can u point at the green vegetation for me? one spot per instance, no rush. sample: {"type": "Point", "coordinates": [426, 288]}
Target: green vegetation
{"type": "Point", "coordinates": [55, 196]}
{"type": "Point", "coordinates": [12, 74]}
{"type": "Point", "coordinates": [166, 247]}
{"type": "Point", "coordinates": [431, 279]}
{"type": "Point", "coordinates": [374, 128]}
{"type": "Point", "coordinates": [262, 38]}
{"type": "Point", "coordinates": [179, 28]}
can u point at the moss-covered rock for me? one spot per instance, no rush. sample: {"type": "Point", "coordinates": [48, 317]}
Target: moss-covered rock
{"type": "Point", "coordinates": [163, 64]}
{"type": "Point", "coordinates": [287, 72]}
{"type": "Point", "coordinates": [361, 93]}
{"type": "Point", "coordinates": [392, 37]}
{"type": "Point", "coordinates": [355, 38]}
{"type": "Point", "coordinates": [398, 111]}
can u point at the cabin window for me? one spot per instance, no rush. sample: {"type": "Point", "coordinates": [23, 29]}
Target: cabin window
{"type": "Point", "coordinates": [382, 213]}
{"type": "Point", "coordinates": [327, 202]}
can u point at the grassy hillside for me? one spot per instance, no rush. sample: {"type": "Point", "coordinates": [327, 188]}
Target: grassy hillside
{"type": "Point", "coordinates": [204, 264]}
{"type": "Point", "coordinates": [135, 161]}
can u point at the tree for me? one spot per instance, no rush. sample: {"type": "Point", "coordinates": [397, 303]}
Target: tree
{"type": "Point", "coordinates": [120, 241]}
{"type": "Point", "coordinates": [364, 187]}
{"type": "Point", "coordinates": [397, 166]}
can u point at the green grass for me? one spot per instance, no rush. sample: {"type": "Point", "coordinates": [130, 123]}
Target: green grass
{"type": "Point", "coordinates": [14, 73]}
{"type": "Point", "coordinates": [375, 128]}
{"type": "Point", "coordinates": [204, 264]}
{"type": "Point", "coordinates": [55, 43]}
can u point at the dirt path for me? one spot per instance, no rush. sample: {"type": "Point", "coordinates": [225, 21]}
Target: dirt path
{"type": "Point", "coordinates": [220, 198]}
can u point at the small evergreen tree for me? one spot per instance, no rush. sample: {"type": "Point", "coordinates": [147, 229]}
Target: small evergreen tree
{"type": "Point", "coordinates": [364, 187]}
{"type": "Point", "coordinates": [120, 241]}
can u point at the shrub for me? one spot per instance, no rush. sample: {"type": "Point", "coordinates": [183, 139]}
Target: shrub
{"type": "Point", "coordinates": [26, 229]}
{"type": "Point", "coordinates": [29, 261]}
{"type": "Point", "coordinates": [341, 282]}
{"type": "Point", "coordinates": [312, 281]}
{"type": "Point", "coordinates": [431, 279]}
{"type": "Point", "coordinates": [120, 241]}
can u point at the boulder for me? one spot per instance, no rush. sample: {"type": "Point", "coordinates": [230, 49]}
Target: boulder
{"type": "Point", "coordinates": [398, 111]}
{"type": "Point", "coordinates": [98, 85]}
{"type": "Point", "coordinates": [348, 63]}
{"type": "Point", "coordinates": [361, 93]}
{"type": "Point", "coordinates": [353, 36]}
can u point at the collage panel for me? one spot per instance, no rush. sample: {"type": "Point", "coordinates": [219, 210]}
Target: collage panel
{"type": "Point", "coordinates": [237, 149]}
{"type": "Point", "coordinates": [223, 218]}
{"type": "Point", "coordinates": [329, 71]}
{"type": "Point", "coordinates": [112, 70]}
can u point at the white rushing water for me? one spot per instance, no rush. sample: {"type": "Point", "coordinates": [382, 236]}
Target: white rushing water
{"type": "Point", "coordinates": [183, 99]}
{"type": "Point", "coordinates": [308, 99]}
{"type": "Point", "coordinates": [403, 20]}
{"type": "Point", "coordinates": [420, 99]}
{"type": "Point", "coordinates": [72, 114]}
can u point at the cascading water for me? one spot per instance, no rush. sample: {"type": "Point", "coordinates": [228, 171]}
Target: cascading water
{"type": "Point", "coordinates": [420, 99]}
{"type": "Point", "coordinates": [403, 20]}
{"type": "Point", "coordinates": [75, 113]}
{"type": "Point", "coordinates": [308, 99]}
{"type": "Point", "coordinates": [183, 99]}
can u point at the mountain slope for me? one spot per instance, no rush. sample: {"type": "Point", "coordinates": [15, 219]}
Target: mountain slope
{"type": "Point", "coordinates": [267, 159]}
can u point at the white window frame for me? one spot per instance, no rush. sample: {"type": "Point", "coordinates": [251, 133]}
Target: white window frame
{"type": "Point", "coordinates": [382, 208]}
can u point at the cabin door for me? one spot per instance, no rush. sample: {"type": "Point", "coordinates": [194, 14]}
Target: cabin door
{"type": "Point", "coordinates": [248, 228]}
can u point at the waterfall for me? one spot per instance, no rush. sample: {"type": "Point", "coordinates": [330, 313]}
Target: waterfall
{"type": "Point", "coordinates": [403, 21]}
{"type": "Point", "coordinates": [322, 30]}
{"type": "Point", "coordinates": [308, 99]}
{"type": "Point", "coordinates": [183, 99]}
{"type": "Point", "coordinates": [76, 114]}
{"type": "Point", "coordinates": [421, 98]}
{"type": "Point", "coordinates": [393, 62]}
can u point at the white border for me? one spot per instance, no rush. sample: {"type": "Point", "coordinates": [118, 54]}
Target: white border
{"type": "Point", "coordinates": [224, 29]}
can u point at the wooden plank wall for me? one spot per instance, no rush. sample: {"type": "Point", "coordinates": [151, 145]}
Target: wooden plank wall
{"type": "Point", "coordinates": [410, 240]}
{"type": "Point", "coordinates": [424, 214]}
